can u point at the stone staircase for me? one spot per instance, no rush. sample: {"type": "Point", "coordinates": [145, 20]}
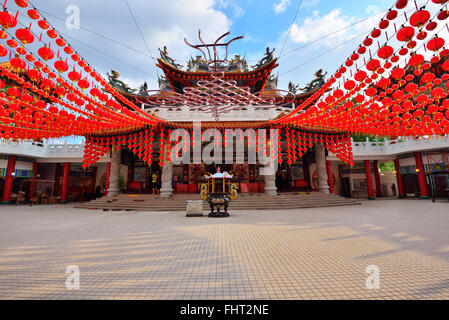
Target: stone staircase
{"type": "Point", "coordinates": [148, 202]}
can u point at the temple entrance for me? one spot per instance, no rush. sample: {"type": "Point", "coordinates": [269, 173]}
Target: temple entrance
{"type": "Point", "coordinates": [141, 177]}
{"type": "Point", "coordinates": [294, 177]}
{"type": "Point", "coordinates": [411, 184]}
{"type": "Point", "coordinates": [291, 178]}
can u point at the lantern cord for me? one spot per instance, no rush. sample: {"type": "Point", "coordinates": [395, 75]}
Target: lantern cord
{"type": "Point", "coordinates": [100, 51]}
{"type": "Point", "coordinates": [334, 48]}
{"type": "Point", "coordinates": [102, 36]}
{"type": "Point", "coordinates": [290, 28]}
{"type": "Point", "coordinates": [138, 28]}
{"type": "Point", "coordinates": [325, 52]}
{"type": "Point", "coordinates": [331, 34]}
{"type": "Point", "coordinates": [108, 55]}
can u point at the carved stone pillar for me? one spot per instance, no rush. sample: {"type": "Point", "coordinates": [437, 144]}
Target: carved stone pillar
{"type": "Point", "coordinates": [320, 159]}
{"type": "Point", "coordinates": [167, 179]}
{"type": "Point", "coordinates": [269, 173]}
{"type": "Point", "coordinates": [114, 178]}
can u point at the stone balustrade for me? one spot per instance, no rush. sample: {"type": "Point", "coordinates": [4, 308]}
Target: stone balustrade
{"type": "Point", "coordinates": [73, 148]}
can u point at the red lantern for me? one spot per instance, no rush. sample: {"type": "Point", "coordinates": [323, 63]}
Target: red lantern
{"type": "Point", "coordinates": [431, 26]}
{"type": "Point", "coordinates": [419, 18]}
{"type": "Point", "coordinates": [370, 92]}
{"type": "Point", "coordinates": [405, 34]}
{"type": "Point", "coordinates": [373, 64]}
{"type": "Point", "coordinates": [34, 75]}
{"type": "Point", "coordinates": [360, 76]}
{"type": "Point", "coordinates": [443, 15]}
{"type": "Point", "coordinates": [401, 4]}
{"type": "Point", "coordinates": [13, 92]}
{"type": "Point", "coordinates": [33, 14]}
{"type": "Point", "coordinates": [25, 36]}
{"type": "Point", "coordinates": [7, 20]}
{"type": "Point", "coordinates": [76, 57]}
{"type": "Point", "coordinates": [43, 24]}
{"type": "Point", "coordinates": [22, 3]}
{"type": "Point", "coordinates": [47, 84]}
{"type": "Point", "coordinates": [17, 63]}
{"type": "Point", "coordinates": [74, 76]}
{"type": "Point", "coordinates": [349, 85]}
{"type": "Point", "coordinates": [3, 51]}
{"type": "Point", "coordinates": [416, 60]}
{"type": "Point", "coordinates": [68, 50]}
{"type": "Point", "coordinates": [83, 84]}
{"type": "Point", "coordinates": [61, 66]}
{"type": "Point", "coordinates": [428, 77]}
{"type": "Point", "coordinates": [52, 34]}
{"type": "Point", "coordinates": [384, 24]}
{"type": "Point", "coordinates": [385, 52]}
{"type": "Point", "coordinates": [384, 83]}
{"type": "Point", "coordinates": [376, 33]}
{"type": "Point", "coordinates": [60, 91]}
{"type": "Point", "coordinates": [435, 44]}
{"type": "Point", "coordinates": [60, 42]}
{"type": "Point", "coordinates": [392, 14]}
{"type": "Point", "coordinates": [46, 53]}
{"type": "Point", "coordinates": [397, 73]}
{"type": "Point", "coordinates": [445, 65]}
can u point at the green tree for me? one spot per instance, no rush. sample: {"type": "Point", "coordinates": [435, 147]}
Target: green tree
{"type": "Point", "coordinates": [386, 166]}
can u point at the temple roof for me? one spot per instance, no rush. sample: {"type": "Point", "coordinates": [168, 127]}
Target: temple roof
{"type": "Point", "coordinates": [254, 79]}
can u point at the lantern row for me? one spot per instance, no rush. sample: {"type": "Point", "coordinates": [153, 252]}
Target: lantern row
{"type": "Point", "coordinates": [341, 110]}
{"type": "Point", "coordinates": [144, 144]}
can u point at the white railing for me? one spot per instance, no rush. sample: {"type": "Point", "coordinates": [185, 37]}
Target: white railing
{"type": "Point", "coordinates": [54, 148]}
{"type": "Point", "coordinates": [74, 148]}
{"type": "Point", "coordinates": [398, 146]}
{"type": "Point", "coordinates": [184, 114]}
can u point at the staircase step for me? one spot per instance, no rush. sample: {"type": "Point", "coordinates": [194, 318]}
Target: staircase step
{"type": "Point", "coordinates": [244, 202]}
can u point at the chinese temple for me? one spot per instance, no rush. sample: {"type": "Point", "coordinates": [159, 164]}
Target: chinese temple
{"type": "Point", "coordinates": [205, 80]}
{"type": "Point", "coordinates": [392, 86]}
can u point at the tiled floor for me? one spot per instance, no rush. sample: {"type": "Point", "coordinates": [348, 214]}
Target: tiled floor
{"type": "Point", "coordinates": [294, 254]}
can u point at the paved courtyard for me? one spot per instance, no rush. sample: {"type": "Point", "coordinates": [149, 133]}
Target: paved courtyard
{"type": "Point", "coordinates": [294, 254]}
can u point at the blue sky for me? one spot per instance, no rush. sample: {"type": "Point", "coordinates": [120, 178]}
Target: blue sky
{"type": "Point", "coordinates": [262, 22]}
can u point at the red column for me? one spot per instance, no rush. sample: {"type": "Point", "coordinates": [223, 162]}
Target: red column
{"type": "Point", "coordinates": [65, 182]}
{"type": "Point", "coordinates": [401, 190]}
{"type": "Point", "coordinates": [56, 185]}
{"type": "Point", "coordinates": [369, 180]}
{"type": "Point", "coordinates": [108, 174]}
{"type": "Point", "coordinates": [421, 175]}
{"type": "Point", "coordinates": [377, 178]}
{"type": "Point", "coordinates": [7, 187]}
{"type": "Point", "coordinates": [330, 177]}
{"type": "Point", "coordinates": [33, 183]}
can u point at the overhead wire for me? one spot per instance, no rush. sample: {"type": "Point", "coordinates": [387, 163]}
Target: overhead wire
{"type": "Point", "coordinates": [290, 28]}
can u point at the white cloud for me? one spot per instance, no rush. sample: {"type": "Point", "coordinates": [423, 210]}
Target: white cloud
{"type": "Point", "coordinates": [281, 6]}
{"type": "Point", "coordinates": [238, 11]}
{"type": "Point", "coordinates": [161, 25]}
{"type": "Point", "coordinates": [318, 26]}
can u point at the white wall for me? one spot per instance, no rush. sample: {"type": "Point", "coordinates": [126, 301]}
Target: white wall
{"type": "Point", "coordinates": [23, 165]}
